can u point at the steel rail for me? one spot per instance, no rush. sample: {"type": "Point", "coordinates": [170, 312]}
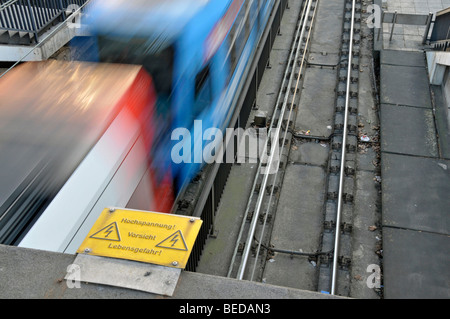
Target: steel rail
{"type": "Point", "coordinates": [252, 230]}
{"type": "Point", "coordinates": [302, 16]}
{"type": "Point", "coordinates": [344, 142]}
{"type": "Point", "coordinates": [260, 164]}
{"type": "Point", "coordinates": [285, 135]}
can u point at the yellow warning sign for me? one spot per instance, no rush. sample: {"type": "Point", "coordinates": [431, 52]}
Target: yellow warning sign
{"type": "Point", "coordinates": [174, 241]}
{"type": "Point", "coordinates": [157, 238]}
{"type": "Point", "coordinates": [110, 232]}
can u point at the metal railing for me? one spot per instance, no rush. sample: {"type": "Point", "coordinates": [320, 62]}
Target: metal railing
{"type": "Point", "coordinates": [441, 45]}
{"type": "Point", "coordinates": [395, 18]}
{"type": "Point", "coordinates": [440, 37]}
{"type": "Point", "coordinates": [34, 16]}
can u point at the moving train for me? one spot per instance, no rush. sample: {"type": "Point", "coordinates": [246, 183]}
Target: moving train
{"type": "Point", "coordinates": [79, 136]}
{"type": "Point", "coordinates": [195, 51]}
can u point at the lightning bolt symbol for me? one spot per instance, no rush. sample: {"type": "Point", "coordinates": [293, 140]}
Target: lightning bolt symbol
{"type": "Point", "coordinates": [109, 230]}
{"type": "Point", "coordinates": [174, 240]}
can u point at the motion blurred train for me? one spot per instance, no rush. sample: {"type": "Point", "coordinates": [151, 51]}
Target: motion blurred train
{"type": "Point", "coordinates": [76, 137]}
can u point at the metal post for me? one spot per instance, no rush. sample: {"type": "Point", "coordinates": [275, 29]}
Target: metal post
{"type": "Point", "coordinates": [33, 22]}
{"type": "Point", "coordinates": [63, 10]}
{"type": "Point", "coordinates": [427, 29]}
{"type": "Point", "coordinates": [213, 213]}
{"type": "Point", "coordinates": [380, 30]}
{"type": "Point", "coordinates": [394, 20]}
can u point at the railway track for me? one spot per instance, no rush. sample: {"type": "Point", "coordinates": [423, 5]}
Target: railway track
{"type": "Point", "coordinates": [294, 227]}
{"type": "Point", "coordinates": [269, 176]}
{"type": "Point", "coordinates": [337, 224]}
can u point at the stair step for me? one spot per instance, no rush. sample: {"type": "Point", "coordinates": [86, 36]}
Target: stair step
{"type": "Point", "coordinates": [24, 34]}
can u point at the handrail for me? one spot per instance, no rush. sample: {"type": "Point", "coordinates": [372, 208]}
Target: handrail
{"type": "Point", "coordinates": [395, 18]}
{"type": "Point", "coordinates": [7, 4]}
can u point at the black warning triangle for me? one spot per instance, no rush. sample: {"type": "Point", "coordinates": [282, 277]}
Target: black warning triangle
{"type": "Point", "coordinates": [110, 232]}
{"type": "Point", "coordinates": [174, 241]}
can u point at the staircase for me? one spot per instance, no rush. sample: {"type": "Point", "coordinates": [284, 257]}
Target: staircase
{"type": "Point", "coordinates": [26, 23]}
{"type": "Point", "coordinates": [16, 37]}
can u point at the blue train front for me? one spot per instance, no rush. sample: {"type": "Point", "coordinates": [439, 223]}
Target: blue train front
{"type": "Point", "coordinates": [196, 52]}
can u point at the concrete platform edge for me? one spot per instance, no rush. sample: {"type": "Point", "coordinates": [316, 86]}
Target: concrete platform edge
{"type": "Point", "coordinates": [35, 274]}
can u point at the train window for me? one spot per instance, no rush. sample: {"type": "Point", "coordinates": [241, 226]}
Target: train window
{"type": "Point", "coordinates": [232, 48]}
{"type": "Point", "coordinates": [254, 13]}
{"type": "Point", "coordinates": [239, 34]}
{"type": "Point", "coordinates": [203, 90]}
{"type": "Point", "coordinates": [247, 21]}
{"type": "Point", "coordinates": [157, 61]}
{"type": "Point", "coordinates": [200, 80]}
